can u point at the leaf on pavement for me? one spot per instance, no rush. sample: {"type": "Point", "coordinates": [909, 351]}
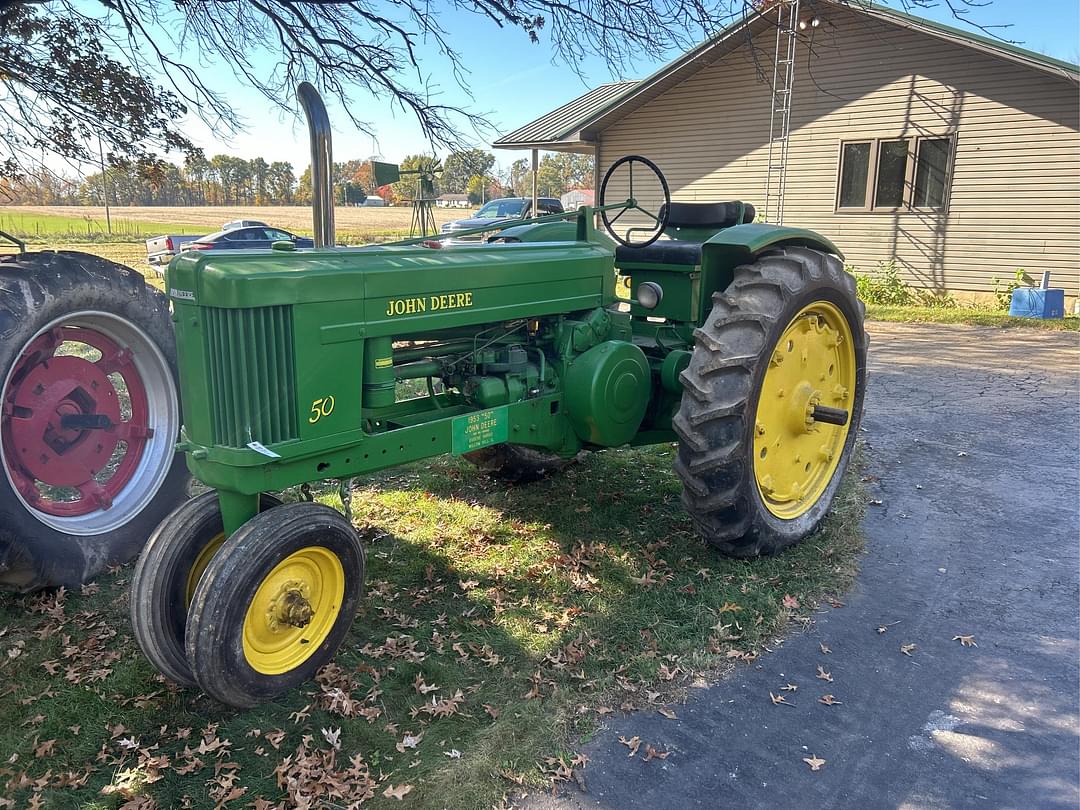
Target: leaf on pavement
{"type": "Point", "coordinates": [779, 700]}
{"type": "Point", "coordinates": [965, 641]}
{"type": "Point", "coordinates": [814, 762]}
{"type": "Point", "coordinates": [789, 687]}
{"type": "Point", "coordinates": [633, 744]}
{"type": "Point", "coordinates": [652, 753]}
{"type": "Point", "coordinates": [908, 649]}
{"type": "Point", "coordinates": [829, 700]}
{"type": "Point", "coordinates": [823, 674]}
{"type": "Point", "coordinates": [824, 649]}
{"type": "Point", "coordinates": [669, 714]}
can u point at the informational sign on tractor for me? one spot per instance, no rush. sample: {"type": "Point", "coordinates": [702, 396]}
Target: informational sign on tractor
{"type": "Point", "coordinates": [476, 430]}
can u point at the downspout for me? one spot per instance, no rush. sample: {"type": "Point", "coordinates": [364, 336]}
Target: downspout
{"type": "Point", "coordinates": [535, 201]}
{"type": "Point", "coordinates": [322, 163]}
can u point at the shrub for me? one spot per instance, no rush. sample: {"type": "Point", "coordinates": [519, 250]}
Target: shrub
{"type": "Point", "coordinates": [1003, 292]}
{"type": "Point", "coordinates": [884, 287]}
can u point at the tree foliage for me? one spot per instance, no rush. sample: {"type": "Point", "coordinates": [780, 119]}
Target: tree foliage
{"type": "Point", "coordinates": [460, 167]}
{"type": "Point", "coordinates": [129, 70]}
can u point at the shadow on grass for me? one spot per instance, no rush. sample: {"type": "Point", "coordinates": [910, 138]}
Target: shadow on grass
{"type": "Point", "coordinates": [542, 604]}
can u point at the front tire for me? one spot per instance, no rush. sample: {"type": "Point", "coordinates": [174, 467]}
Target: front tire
{"type": "Point", "coordinates": [90, 414]}
{"type": "Point", "coordinates": [275, 603]}
{"type": "Point", "coordinates": [759, 472]}
{"type": "Point", "coordinates": [169, 569]}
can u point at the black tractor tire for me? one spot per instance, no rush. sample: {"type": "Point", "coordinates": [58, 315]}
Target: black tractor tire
{"type": "Point", "coordinates": [161, 585]}
{"type": "Point", "coordinates": [518, 464]}
{"type": "Point", "coordinates": [716, 419]}
{"type": "Point", "coordinates": [38, 292]}
{"type": "Point", "coordinates": [230, 586]}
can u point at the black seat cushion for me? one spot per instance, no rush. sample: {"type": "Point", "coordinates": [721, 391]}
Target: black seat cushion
{"type": "Point", "coordinates": [662, 251]}
{"type": "Point", "coordinates": [708, 215]}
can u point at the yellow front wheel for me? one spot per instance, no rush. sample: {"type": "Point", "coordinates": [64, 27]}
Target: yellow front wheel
{"type": "Point", "coordinates": [275, 603]}
{"type": "Point", "coordinates": [772, 400]}
{"type": "Point", "coordinates": [169, 569]}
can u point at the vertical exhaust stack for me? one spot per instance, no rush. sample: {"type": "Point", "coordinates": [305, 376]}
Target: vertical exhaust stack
{"type": "Point", "coordinates": [322, 164]}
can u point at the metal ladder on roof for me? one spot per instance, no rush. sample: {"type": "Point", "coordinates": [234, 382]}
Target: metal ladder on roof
{"type": "Point", "coordinates": [783, 81]}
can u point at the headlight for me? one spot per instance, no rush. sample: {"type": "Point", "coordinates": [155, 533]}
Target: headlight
{"type": "Point", "coordinates": [650, 294]}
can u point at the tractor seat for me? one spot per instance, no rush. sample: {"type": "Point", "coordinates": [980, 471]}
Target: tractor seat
{"type": "Point", "coordinates": [685, 215]}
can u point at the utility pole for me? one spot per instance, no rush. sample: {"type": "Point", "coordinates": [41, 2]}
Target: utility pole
{"type": "Point", "coordinates": [104, 186]}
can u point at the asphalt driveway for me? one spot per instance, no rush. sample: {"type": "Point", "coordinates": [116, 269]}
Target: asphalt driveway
{"type": "Point", "coordinates": [972, 436]}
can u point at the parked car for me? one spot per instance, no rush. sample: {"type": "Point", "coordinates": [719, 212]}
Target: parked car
{"type": "Point", "coordinates": [246, 238]}
{"type": "Point", "coordinates": [497, 212]}
{"type": "Point", "coordinates": [243, 223]}
{"type": "Point", "coordinates": [161, 249]}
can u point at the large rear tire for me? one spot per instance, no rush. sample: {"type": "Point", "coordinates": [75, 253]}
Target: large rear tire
{"type": "Point", "coordinates": [90, 417]}
{"type": "Point", "coordinates": [782, 350]}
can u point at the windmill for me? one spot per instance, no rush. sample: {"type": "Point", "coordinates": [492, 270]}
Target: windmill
{"type": "Point", "coordinates": [423, 221]}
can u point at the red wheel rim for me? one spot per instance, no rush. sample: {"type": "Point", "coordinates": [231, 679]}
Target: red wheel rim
{"type": "Point", "coordinates": [63, 422]}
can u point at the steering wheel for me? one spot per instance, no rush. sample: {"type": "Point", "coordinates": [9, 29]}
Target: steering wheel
{"type": "Point", "coordinates": [661, 219]}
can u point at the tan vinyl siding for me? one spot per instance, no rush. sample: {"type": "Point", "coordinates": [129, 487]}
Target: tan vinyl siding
{"type": "Point", "coordinates": [1015, 188]}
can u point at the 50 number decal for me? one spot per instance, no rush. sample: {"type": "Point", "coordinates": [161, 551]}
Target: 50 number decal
{"type": "Point", "coordinates": [320, 408]}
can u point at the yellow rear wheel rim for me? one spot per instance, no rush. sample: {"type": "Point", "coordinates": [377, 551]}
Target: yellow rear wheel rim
{"type": "Point", "coordinates": [813, 363]}
{"type": "Point", "coordinates": [199, 566]}
{"type": "Point", "coordinates": [293, 610]}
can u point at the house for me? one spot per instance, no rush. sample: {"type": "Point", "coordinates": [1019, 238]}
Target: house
{"type": "Point", "coordinates": [953, 154]}
{"type": "Point", "coordinates": [452, 201]}
{"type": "Point", "coordinates": [577, 197]}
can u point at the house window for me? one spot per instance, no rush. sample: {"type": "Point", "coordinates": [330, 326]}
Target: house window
{"type": "Point", "coordinates": [886, 174]}
{"type": "Point", "coordinates": [932, 172]}
{"type": "Point", "coordinates": [854, 169]}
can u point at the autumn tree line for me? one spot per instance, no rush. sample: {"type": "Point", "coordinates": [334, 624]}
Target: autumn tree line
{"type": "Point", "coordinates": [231, 181]}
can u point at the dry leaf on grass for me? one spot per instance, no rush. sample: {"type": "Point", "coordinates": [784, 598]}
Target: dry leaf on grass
{"type": "Point", "coordinates": [398, 792]}
{"type": "Point", "coordinates": [814, 762]}
{"type": "Point", "coordinates": [790, 601]}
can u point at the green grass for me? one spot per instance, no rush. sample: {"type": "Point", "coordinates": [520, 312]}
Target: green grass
{"type": "Point", "coordinates": [523, 598]}
{"type": "Point", "coordinates": [972, 316]}
{"type": "Point", "coordinates": [40, 228]}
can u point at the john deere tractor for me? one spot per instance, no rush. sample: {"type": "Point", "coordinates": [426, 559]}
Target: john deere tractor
{"type": "Point", "coordinates": [742, 342]}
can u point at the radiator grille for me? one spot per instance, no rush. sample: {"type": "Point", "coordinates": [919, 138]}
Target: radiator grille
{"type": "Point", "coordinates": [250, 358]}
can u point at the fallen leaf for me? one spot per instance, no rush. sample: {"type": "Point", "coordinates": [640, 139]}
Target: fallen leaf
{"type": "Point", "coordinates": [908, 649]}
{"type": "Point", "coordinates": [409, 741]}
{"type": "Point", "coordinates": [965, 641]}
{"type": "Point", "coordinates": [876, 502]}
{"type": "Point", "coordinates": [730, 607]}
{"type": "Point", "coordinates": [829, 700]}
{"type": "Point", "coordinates": [669, 714]}
{"type": "Point", "coordinates": [652, 753]}
{"type": "Point", "coordinates": [421, 687]}
{"type": "Point", "coordinates": [790, 601]}
{"type": "Point", "coordinates": [814, 762]}
{"type": "Point", "coordinates": [332, 736]}
{"type": "Point", "coordinates": [823, 675]}
{"type": "Point", "coordinates": [961, 454]}
{"type": "Point", "coordinates": [45, 749]}
{"type": "Point", "coordinates": [881, 629]}
{"type": "Point", "coordinates": [492, 711]}
{"type": "Point", "coordinates": [824, 649]}
{"type": "Point", "coordinates": [399, 792]}
{"type": "Point", "coordinates": [779, 700]}
{"type": "Point", "coordinates": [789, 687]}
{"type": "Point", "coordinates": [633, 744]}
{"type": "Point", "coordinates": [453, 753]}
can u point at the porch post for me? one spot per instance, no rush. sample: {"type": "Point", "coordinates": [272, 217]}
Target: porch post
{"type": "Point", "coordinates": [535, 166]}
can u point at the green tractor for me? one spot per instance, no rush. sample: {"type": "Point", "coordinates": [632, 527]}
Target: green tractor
{"type": "Point", "coordinates": [742, 342]}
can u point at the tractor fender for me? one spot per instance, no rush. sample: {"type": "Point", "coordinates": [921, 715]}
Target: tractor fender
{"type": "Point", "coordinates": [740, 243]}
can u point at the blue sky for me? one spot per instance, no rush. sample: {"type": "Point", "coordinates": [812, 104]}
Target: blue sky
{"type": "Point", "coordinates": [514, 81]}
